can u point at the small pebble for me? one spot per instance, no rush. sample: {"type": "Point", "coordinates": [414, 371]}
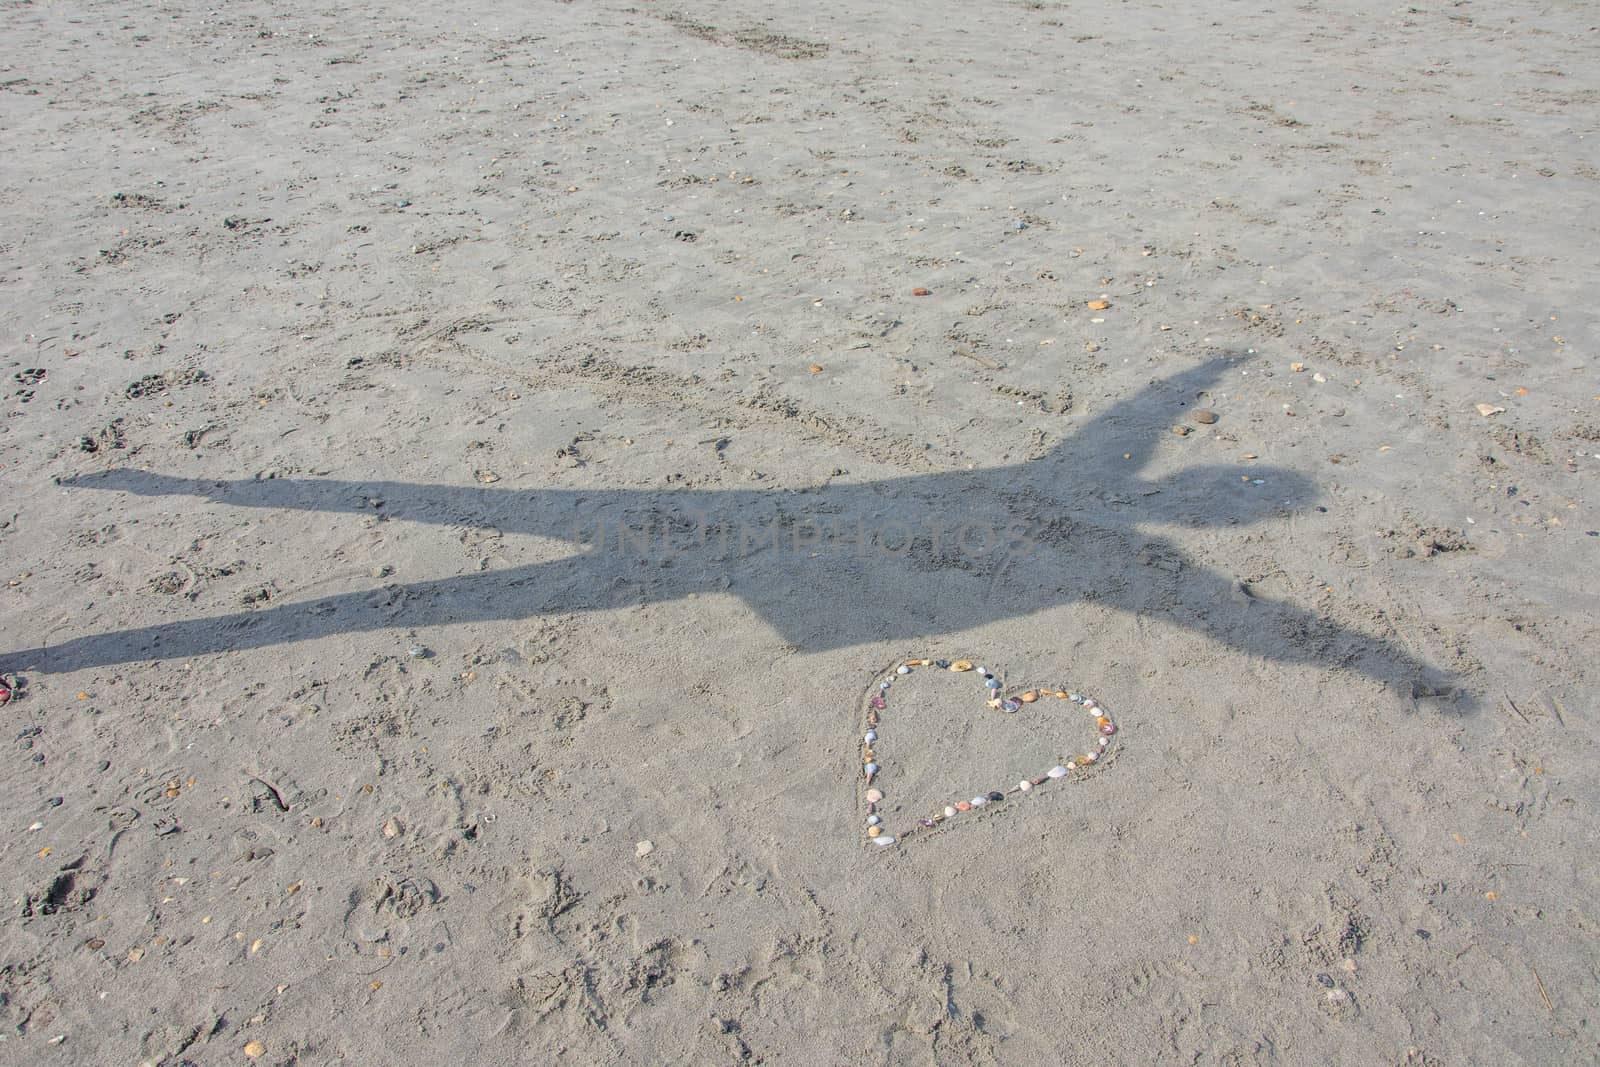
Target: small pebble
{"type": "Point", "coordinates": [942, 664]}
{"type": "Point", "coordinates": [997, 795]}
{"type": "Point", "coordinates": [1205, 416]}
{"type": "Point", "coordinates": [643, 849]}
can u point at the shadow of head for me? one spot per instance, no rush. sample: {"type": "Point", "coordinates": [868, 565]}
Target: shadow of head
{"type": "Point", "coordinates": [1223, 495]}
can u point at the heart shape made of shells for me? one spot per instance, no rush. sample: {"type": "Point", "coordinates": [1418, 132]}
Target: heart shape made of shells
{"type": "Point", "coordinates": [998, 698]}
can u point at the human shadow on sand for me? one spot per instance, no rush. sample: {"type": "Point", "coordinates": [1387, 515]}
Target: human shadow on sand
{"type": "Point", "coordinates": [900, 559]}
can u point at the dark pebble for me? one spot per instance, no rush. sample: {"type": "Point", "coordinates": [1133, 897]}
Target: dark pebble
{"type": "Point", "coordinates": [105, 765]}
{"type": "Point", "coordinates": [997, 796]}
{"type": "Point", "coordinates": [942, 664]}
{"type": "Point", "coordinates": [1324, 981]}
{"type": "Point", "coordinates": [56, 802]}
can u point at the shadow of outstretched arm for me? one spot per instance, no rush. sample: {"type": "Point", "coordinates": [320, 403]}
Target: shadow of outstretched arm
{"type": "Point", "coordinates": [564, 585]}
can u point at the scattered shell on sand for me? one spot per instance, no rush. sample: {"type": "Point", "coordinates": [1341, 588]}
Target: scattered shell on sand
{"type": "Point", "coordinates": [1205, 416]}
{"type": "Point", "coordinates": [643, 849]}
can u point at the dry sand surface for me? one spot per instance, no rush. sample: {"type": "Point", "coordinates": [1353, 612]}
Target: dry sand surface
{"type": "Point", "coordinates": [466, 468]}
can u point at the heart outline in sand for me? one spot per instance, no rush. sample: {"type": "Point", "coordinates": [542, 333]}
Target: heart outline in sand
{"type": "Point", "coordinates": [1005, 701]}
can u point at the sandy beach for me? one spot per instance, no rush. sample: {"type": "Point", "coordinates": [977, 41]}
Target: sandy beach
{"type": "Point", "coordinates": [469, 474]}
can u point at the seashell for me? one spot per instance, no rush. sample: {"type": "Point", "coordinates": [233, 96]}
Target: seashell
{"type": "Point", "coordinates": [1107, 727]}
{"type": "Point", "coordinates": [1088, 757]}
{"type": "Point", "coordinates": [992, 683]}
{"type": "Point", "coordinates": [867, 754]}
{"type": "Point", "coordinates": [997, 795]}
{"type": "Point", "coordinates": [994, 703]}
{"type": "Point", "coordinates": [902, 669]}
{"type": "Point", "coordinates": [919, 291]}
{"type": "Point", "coordinates": [874, 831]}
{"type": "Point", "coordinates": [1010, 707]}
{"type": "Point", "coordinates": [980, 800]}
{"type": "Point", "coordinates": [872, 735]}
{"type": "Point", "coordinates": [884, 840]}
{"type": "Point", "coordinates": [1057, 771]}
{"type": "Point", "coordinates": [878, 702]}
{"type": "Point", "coordinates": [873, 820]}
{"type": "Point", "coordinates": [960, 666]}
{"type": "Point", "coordinates": [950, 812]}
{"type": "Point", "coordinates": [1025, 785]}
{"type": "Point", "coordinates": [874, 795]}
{"type": "Point", "coordinates": [1075, 698]}
{"type": "Point", "coordinates": [926, 822]}
{"type": "Point", "coordinates": [1104, 741]}
{"type": "Point", "coordinates": [1061, 693]}
{"type": "Point", "coordinates": [963, 806]}
{"type": "Point", "coordinates": [942, 664]}
{"type": "Point", "coordinates": [872, 768]}
{"type": "Point", "coordinates": [1029, 697]}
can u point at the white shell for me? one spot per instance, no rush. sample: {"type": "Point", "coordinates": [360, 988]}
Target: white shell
{"type": "Point", "coordinates": [979, 801]}
{"type": "Point", "coordinates": [902, 669]}
{"type": "Point", "coordinates": [883, 841]}
{"type": "Point", "coordinates": [1025, 785]}
{"type": "Point", "coordinates": [949, 812]}
{"type": "Point", "coordinates": [871, 769]}
{"type": "Point", "coordinates": [873, 820]}
{"type": "Point", "coordinates": [872, 735]}
{"type": "Point", "coordinates": [1058, 771]}
{"type": "Point", "coordinates": [1104, 741]}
